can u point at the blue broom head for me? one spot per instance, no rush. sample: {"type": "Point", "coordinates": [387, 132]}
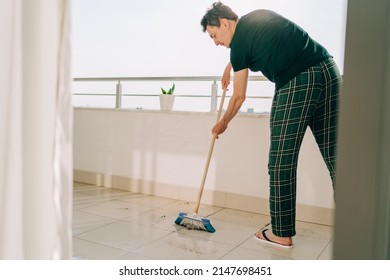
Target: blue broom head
{"type": "Point", "coordinates": [207, 225]}
{"type": "Point", "coordinates": [194, 222]}
{"type": "Point", "coordinates": [180, 218]}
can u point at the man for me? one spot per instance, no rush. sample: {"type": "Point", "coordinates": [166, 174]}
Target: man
{"type": "Point", "coordinates": [307, 85]}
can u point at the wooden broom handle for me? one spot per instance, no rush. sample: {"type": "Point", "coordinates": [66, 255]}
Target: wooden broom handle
{"type": "Point", "coordinates": [206, 168]}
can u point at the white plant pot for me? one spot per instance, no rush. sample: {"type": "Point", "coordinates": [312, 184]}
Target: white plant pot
{"type": "Point", "coordinates": [166, 102]}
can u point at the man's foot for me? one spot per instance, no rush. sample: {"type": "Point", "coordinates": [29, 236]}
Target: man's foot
{"type": "Point", "coordinates": [268, 237]}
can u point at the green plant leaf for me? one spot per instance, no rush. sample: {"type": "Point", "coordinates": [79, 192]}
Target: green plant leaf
{"type": "Point", "coordinates": [170, 91]}
{"type": "Point", "coordinates": [173, 88]}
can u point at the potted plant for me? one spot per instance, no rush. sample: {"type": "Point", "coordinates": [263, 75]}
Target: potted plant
{"type": "Point", "coordinates": [167, 98]}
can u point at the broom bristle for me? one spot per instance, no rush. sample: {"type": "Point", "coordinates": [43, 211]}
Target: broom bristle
{"type": "Point", "coordinates": [194, 222]}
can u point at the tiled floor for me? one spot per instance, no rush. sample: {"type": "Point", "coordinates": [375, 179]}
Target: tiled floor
{"type": "Point", "coordinates": [111, 224]}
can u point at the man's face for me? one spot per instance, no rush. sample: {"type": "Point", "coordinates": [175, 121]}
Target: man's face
{"type": "Point", "coordinates": [222, 35]}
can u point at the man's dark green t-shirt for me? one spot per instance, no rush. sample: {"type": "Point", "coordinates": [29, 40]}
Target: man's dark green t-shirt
{"type": "Point", "coordinates": [267, 42]}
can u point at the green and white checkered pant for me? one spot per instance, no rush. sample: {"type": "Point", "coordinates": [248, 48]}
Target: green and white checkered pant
{"type": "Point", "coordinates": [310, 99]}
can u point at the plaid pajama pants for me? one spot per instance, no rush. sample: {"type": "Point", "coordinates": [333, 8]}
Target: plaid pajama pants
{"type": "Point", "coordinates": [309, 99]}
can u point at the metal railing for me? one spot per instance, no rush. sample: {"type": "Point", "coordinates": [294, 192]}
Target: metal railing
{"type": "Point", "coordinates": [119, 91]}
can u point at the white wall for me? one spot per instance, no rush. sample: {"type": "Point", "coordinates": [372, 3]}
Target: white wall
{"type": "Point", "coordinates": [170, 149]}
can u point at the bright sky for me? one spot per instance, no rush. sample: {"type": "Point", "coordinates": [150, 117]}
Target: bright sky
{"type": "Point", "coordinates": [164, 37]}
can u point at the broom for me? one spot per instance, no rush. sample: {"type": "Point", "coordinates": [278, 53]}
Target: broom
{"type": "Point", "coordinates": [195, 221]}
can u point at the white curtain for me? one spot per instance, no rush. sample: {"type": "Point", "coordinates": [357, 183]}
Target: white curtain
{"type": "Point", "coordinates": [36, 122]}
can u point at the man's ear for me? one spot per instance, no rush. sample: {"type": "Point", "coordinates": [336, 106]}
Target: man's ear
{"type": "Point", "coordinates": [224, 23]}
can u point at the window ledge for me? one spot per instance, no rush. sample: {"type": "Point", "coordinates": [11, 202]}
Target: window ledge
{"type": "Point", "coordinates": [240, 114]}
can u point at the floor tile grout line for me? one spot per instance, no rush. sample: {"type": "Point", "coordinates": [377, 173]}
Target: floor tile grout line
{"type": "Point", "coordinates": [100, 244]}
{"type": "Point", "coordinates": [99, 227]}
{"type": "Point", "coordinates": [149, 243]}
{"type": "Point", "coordinates": [236, 247]}
{"type": "Point", "coordinates": [325, 247]}
{"type": "Point", "coordinates": [132, 251]}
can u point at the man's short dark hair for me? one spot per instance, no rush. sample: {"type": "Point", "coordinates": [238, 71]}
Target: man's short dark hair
{"type": "Point", "coordinates": [215, 13]}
